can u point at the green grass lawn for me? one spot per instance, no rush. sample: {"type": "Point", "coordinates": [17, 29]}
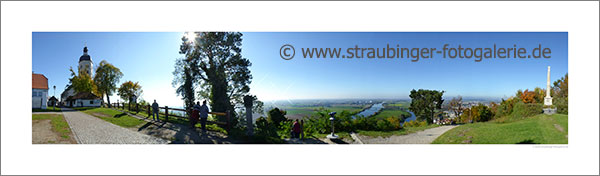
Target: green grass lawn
{"type": "Point", "coordinates": [403, 131]}
{"type": "Point", "coordinates": [49, 109]}
{"type": "Point", "coordinates": [59, 124]}
{"type": "Point", "coordinates": [115, 117]}
{"type": "Point", "coordinates": [539, 129]}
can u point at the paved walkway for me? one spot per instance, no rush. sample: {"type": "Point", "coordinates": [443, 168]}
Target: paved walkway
{"type": "Point", "coordinates": [92, 130]}
{"type": "Point", "coordinates": [422, 137]}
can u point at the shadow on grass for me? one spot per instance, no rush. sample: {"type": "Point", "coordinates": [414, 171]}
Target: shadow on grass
{"type": "Point", "coordinates": [338, 141]}
{"type": "Point", "coordinates": [120, 115]}
{"type": "Point", "coordinates": [528, 141]}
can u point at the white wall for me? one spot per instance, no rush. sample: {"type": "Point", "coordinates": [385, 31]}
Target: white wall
{"type": "Point", "coordinates": [39, 98]}
{"type": "Point", "coordinates": [87, 103]}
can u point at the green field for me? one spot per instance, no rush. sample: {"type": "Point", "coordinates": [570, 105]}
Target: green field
{"type": "Point", "coordinates": [115, 117]}
{"type": "Point", "coordinates": [59, 124]}
{"type": "Point", "coordinates": [393, 110]}
{"type": "Point", "coordinates": [307, 111]}
{"type": "Point", "coordinates": [539, 129]}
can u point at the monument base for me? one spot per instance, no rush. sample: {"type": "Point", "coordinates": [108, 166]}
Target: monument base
{"type": "Point", "coordinates": [548, 101]}
{"type": "Point", "coordinates": [332, 136]}
{"type": "Point", "coordinates": [549, 111]}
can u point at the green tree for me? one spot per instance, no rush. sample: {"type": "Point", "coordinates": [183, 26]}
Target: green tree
{"type": "Point", "coordinates": [425, 102]}
{"type": "Point", "coordinates": [276, 116]}
{"type": "Point", "coordinates": [106, 78]}
{"type": "Point", "coordinates": [128, 90]}
{"type": "Point", "coordinates": [561, 94]}
{"type": "Point", "coordinates": [184, 81]}
{"type": "Point", "coordinates": [214, 64]}
{"type": "Point", "coordinates": [82, 82]}
{"type": "Point", "coordinates": [561, 87]}
{"type": "Point", "coordinates": [481, 113]}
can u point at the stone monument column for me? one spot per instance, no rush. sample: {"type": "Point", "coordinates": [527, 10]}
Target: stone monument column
{"type": "Point", "coordinates": [548, 109]}
{"type": "Point", "coordinates": [248, 101]}
{"type": "Point", "coordinates": [548, 98]}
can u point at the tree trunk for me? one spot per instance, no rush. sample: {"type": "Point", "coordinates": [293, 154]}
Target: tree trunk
{"type": "Point", "coordinates": [108, 101]}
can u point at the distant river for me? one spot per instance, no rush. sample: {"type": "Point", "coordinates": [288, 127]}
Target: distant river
{"type": "Point", "coordinates": [372, 110]}
{"type": "Point", "coordinates": [411, 118]}
{"type": "Point", "coordinates": [377, 107]}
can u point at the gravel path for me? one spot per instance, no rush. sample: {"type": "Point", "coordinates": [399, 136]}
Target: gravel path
{"type": "Point", "coordinates": [422, 137]}
{"type": "Point", "coordinates": [91, 130]}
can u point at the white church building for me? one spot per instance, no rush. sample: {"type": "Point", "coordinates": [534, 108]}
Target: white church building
{"type": "Point", "coordinates": [82, 99]}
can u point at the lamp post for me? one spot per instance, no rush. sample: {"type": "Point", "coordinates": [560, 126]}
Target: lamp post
{"type": "Point", "coordinates": [332, 135]}
{"type": "Point", "coordinates": [54, 95]}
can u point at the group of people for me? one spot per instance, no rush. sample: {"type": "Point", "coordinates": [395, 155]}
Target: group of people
{"type": "Point", "coordinates": [199, 113]}
{"type": "Point", "coordinates": [298, 129]}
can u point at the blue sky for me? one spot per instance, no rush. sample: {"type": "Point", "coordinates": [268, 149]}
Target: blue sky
{"type": "Point", "coordinates": [149, 58]}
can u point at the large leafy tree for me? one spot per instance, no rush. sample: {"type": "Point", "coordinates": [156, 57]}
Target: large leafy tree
{"type": "Point", "coordinates": [184, 78]}
{"type": "Point", "coordinates": [82, 82]}
{"type": "Point", "coordinates": [128, 90]}
{"type": "Point", "coordinates": [561, 87]}
{"type": "Point", "coordinates": [424, 103]}
{"type": "Point", "coordinates": [106, 79]}
{"type": "Point", "coordinates": [214, 65]}
{"type": "Point", "coordinates": [561, 94]}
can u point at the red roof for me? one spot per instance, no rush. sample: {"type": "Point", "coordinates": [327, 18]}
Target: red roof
{"type": "Point", "coordinates": [39, 81]}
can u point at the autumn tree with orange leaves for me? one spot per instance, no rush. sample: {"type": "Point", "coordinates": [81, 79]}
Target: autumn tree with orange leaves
{"type": "Point", "coordinates": [528, 96]}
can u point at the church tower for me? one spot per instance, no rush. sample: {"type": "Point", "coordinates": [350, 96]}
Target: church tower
{"type": "Point", "coordinates": [85, 63]}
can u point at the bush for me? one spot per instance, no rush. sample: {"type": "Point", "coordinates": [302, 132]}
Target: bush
{"type": "Point", "coordinates": [562, 105]}
{"type": "Point", "coordinates": [526, 110]}
{"type": "Point", "coordinates": [384, 125]}
{"type": "Point", "coordinates": [506, 107]}
{"type": "Point", "coordinates": [276, 116]}
{"type": "Point", "coordinates": [395, 122]}
{"type": "Point", "coordinates": [365, 123]}
{"type": "Point", "coordinates": [344, 122]}
{"type": "Point", "coordinates": [415, 123]}
{"type": "Point", "coordinates": [285, 129]}
{"type": "Point", "coordinates": [264, 128]}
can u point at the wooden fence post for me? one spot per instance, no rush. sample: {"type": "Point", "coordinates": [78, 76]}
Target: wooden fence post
{"type": "Point", "coordinates": [166, 113]}
{"type": "Point", "coordinates": [137, 108]}
{"type": "Point", "coordinates": [148, 106]}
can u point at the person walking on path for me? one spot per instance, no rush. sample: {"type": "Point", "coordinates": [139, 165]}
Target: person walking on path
{"type": "Point", "coordinates": [155, 111]}
{"type": "Point", "coordinates": [296, 129]}
{"type": "Point", "coordinates": [195, 114]}
{"type": "Point", "coordinates": [203, 115]}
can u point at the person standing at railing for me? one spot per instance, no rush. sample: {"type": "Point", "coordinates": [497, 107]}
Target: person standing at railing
{"type": "Point", "coordinates": [203, 115]}
{"type": "Point", "coordinates": [155, 111]}
{"type": "Point", "coordinates": [195, 114]}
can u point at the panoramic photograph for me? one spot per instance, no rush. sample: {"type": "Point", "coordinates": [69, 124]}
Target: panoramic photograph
{"type": "Point", "coordinates": [210, 87]}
